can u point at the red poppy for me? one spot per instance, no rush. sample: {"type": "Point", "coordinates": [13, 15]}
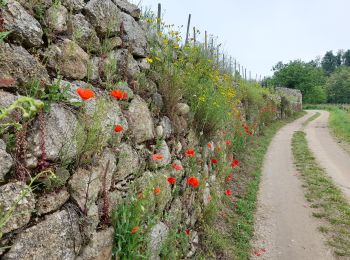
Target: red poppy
{"type": "Point", "coordinates": [193, 181]}
{"type": "Point", "coordinates": [157, 190]}
{"type": "Point", "coordinates": [235, 163]}
{"type": "Point", "coordinates": [190, 153]}
{"type": "Point", "coordinates": [218, 149]}
{"type": "Point", "coordinates": [228, 192]}
{"type": "Point", "coordinates": [118, 94]}
{"type": "Point", "coordinates": [209, 145]}
{"type": "Point", "coordinates": [229, 177]}
{"type": "Point", "coordinates": [187, 231]}
{"type": "Point", "coordinates": [228, 142]}
{"type": "Point", "coordinates": [157, 157]}
{"type": "Point", "coordinates": [214, 161]}
{"type": "Point", "coordinates": [171, 180]}
{"type": "Point", "coordinates": [177, 167]}
{"type": "Point", "coordinates": [85, 93]}
{"type": "Point", "coordinates": [135, 229]}
{"type": "Point", "coordinates": [118, 128]}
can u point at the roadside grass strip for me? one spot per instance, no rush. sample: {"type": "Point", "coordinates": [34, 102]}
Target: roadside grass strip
{"type": "Point", "coordinates": [312, 118]}
{"type": "Point", "coordinates": [326, 199]}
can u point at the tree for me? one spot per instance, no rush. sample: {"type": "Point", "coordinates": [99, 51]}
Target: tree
{"type": "Point", "coordinates": [338, 86]}
{"type": "Point", "coordinates": [346, 58]}
{"type": "Point", "coordinates": [299, 75]}
{"type": "Point", "coordinates": [329, 62]}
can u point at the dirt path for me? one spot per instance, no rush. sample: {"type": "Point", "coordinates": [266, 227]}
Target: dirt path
{"type": "Point", "coordinates": [329, 154]}
{"type": "Point", "coordinates": [285, 228]}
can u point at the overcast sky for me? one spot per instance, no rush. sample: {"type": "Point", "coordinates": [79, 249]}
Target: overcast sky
{"type": "Point", "coordinates": [259, 33]}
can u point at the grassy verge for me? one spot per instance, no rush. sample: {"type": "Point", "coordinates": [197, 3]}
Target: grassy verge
{"type": "Point", "coordinates": [326, 199]}
{"type": "Point", "coordinates": [312, 118]}
{"type": "Point", "coordinates": [339, 123]}
{"type": "Point", "coordinates": [339, 120]}
{"type": "Point", "coordinates": [228, 236]}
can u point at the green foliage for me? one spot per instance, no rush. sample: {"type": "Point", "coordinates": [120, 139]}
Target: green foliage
{"type": "Point", "coordinates": [3, 36]}
{"type": "Point", "coordinates": [316, 95]}
{"type": "Point", "coordinates": [330, 62]}
{"type": "Point", "coordinates": [89, 137]}
{"type": "Point", "coordinates": [50, 94]}
{"type": "Point", "coordinates": [299, 75]}
{"type": "Point", "coordinates": [27, 105]}
{"type": "Point", "coordinates": [338, 86]}
{"type": "Point", "coordinates": [128, 216]}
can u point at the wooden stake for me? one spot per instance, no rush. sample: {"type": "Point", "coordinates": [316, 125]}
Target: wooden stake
{"type": "Point", "coordinates": [159, 16]}
{"type": "Point", "coordinates": [206, 41]}
{"type": "Point", "coordinates": [188, 28]}
{"type": "Point", "coordinates": [194, 35]}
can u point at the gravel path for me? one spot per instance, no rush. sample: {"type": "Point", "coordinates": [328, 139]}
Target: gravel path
{"type": "Point", "coordinates": [285, 228]}
{"type": "Point", "coordinates": [329, 154]}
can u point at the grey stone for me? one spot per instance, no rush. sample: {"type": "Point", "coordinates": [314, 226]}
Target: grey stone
{"type": "Point", "coordinates": [157, 236]}
{"type": "Point", "coordinates": [136, 37]}
{"type": "Point", "coordinates": [60, 129]}
{"type": "Point", "coordinates": [159, 131]}
{"type": "Point", "coordinates": [125, 62]}
{"type": "Point", "coordinates": [107, 167]}
{"type": "Point", "coordinates": [104, 15]}
{"type": "Point", "coordinates": [73, 5]}
{"type": "Point", "coordinates": [99, 247]}
{"type": "Point", "coordinates": [108, 114]}
{"type": "Point", "coordinates": [167, 128]}
{"type": "Point", "coordinates": [140, 120]}
{"type": "Point", "coordinates": [6, 160]}
{"type": "Point", "coordinates": [16, 193]}
{"type": "Point", "coordinates": [55, 238]}
{"type": "Point", "coordinates": [129, 8]}
{"type": "Point", "coordinates": [174, 214]}
{"type": "Point", "coordinates": [164, 151]}
{"type": "Point", "coordinates": [69, 59]}
{"type": "Point", "coordinates": [143, 64]}
{"type": "Point", "coordinates": [128, 162]}
{"type": "Point", "coordinates": [182, 109]}
{"type": "Point", "coordinates": [25, 29]}
{"type": "Point", "coordinates": [52, 201]}
{"type": "Point", "coordinates": [112, 43]}
{"type": "Point", "coordinates": [56, 18]}
{"type": "Point", "coordinates": [84, 187]}
{"type": "Point", "coordinates": [18, 64]}
{"type": "Point", "coordinates": [158, 101]}
{"type": "Point", "coordinates": [93, 69]}
{"type": "Point", "coordinates": [44, 4]}
{"type": "Point", "coordinates": [83, 33]}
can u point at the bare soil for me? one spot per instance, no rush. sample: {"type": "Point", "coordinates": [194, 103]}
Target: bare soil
{"type": "Point", "coordinates": [329, 153]}
{"type": "Point", "coordinates": [285, 228]}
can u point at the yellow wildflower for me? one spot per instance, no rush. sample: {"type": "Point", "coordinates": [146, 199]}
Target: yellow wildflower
{"type": "Point", "coordinates": [149, 60]}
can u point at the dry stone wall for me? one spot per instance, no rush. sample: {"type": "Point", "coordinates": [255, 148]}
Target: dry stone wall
{"type": "Point", "coordinates": [69, 44]}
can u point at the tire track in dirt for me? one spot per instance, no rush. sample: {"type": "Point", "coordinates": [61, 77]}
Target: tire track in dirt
{"type": "Point", "coordinates": [328, 153]}
{"type": "Point", "coordinates": [285, 228]}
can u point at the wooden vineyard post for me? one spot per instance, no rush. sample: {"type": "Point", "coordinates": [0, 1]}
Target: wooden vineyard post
{"type": "Point", "coordinates": [206, 41]}
{"type": "Point", "coordinates": [159, 17]}
{"type": "Point", "coordinates": [188, 28]}
{"type": "Point", "coordinates": [194, 35]}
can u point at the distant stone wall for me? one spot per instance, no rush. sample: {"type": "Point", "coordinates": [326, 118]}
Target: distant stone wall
{"type": "Point", "coordinates": [294, 96]}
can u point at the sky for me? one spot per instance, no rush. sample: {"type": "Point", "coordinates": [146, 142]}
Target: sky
{"type": "Point", "coordinates": [260, 33]}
